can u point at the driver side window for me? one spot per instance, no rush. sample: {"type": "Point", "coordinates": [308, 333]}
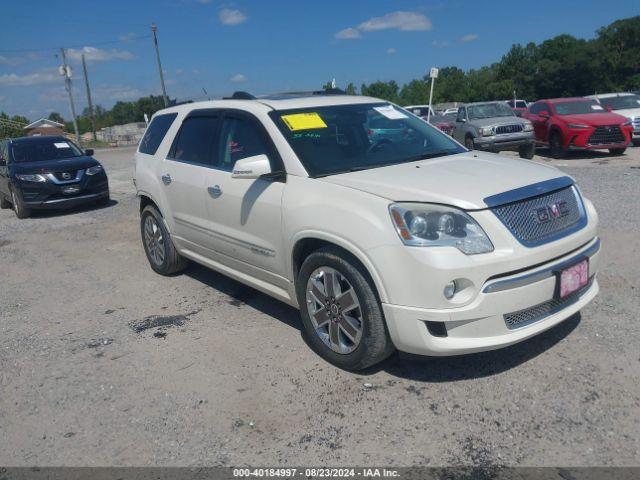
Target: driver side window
{"type": "Point", "coordinates": [462, 114]}
{"type": "Point", "coordinates": [240, 139]}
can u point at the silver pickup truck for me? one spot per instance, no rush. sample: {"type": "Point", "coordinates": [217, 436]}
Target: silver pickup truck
{"type": "Point", "coordinates": [494, 127]}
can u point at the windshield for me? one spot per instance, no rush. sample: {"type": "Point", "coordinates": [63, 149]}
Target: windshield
{"type": "Point", "coordinates": [578, 107]}
{"type": "Point", "coordinates": [43, 149]}
{"type": "Point", "coordinates": [621, 102]}
{"type": "Point", "coordinates": [519, 104]}
{"type": "Point", "coordinates": [489, 110]}
{"type": "Point", "coordinates": [344, 138]}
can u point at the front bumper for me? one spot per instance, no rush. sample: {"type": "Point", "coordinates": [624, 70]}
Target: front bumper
{"type": "Point", "coordinates": [482, 324]}
{"type": "Point", "coordinates": [579, 139]}
{"type": "Point", "coordinates": [49, 195]}
{"type": "Point", "coordinates": [497, 143]}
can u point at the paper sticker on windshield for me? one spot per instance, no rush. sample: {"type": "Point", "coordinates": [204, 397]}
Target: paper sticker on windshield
{"type": "Point", "coordinates": [303, 121]}
{"type": "Point", "coordinates": [596, 107]}
{"type": "Point", "coordinates": [390, 112]}
{"type": "Point", "coordinates": [61, 145]}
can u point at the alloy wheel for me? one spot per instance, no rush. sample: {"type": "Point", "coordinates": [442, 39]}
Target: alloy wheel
{"type": "Point", "coordinates": [334, 310]}
{"type": "Point", "coordinates": [154, 240]}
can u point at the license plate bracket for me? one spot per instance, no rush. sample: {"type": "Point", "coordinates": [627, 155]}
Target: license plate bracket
{"type": "Point", "coordinates": [572, 278]}
{"type": "Point", "coordinates": [71, 190]}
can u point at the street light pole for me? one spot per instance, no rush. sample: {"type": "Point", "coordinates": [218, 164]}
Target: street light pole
{"type": "Point", "coordinates": [154, 29]}
{"type": "Point", "coordinates": [86, 82]}
{"type": "Point", "coordinates": [66, 71]}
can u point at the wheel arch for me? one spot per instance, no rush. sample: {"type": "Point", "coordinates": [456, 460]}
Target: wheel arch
{"type": "Point", "coordinates": [304, 245]}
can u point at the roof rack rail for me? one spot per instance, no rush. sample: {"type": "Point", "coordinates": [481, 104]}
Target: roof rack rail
{"type": "Point", "coordinates": [330, 91]}
{"type": "Point", "coordinates": [240, 96]}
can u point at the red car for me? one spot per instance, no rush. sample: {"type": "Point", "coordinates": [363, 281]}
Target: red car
{"type": "Point", "coordinates": [578, 123]}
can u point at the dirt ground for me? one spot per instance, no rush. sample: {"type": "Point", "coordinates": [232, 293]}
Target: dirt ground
{"type": "Point", "coordinates": [103, 362]}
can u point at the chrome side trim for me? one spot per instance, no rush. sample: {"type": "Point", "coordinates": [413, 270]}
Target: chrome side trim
{"type": "Point", "coordinates": [533, 190]}
{"type": "Point", "coordinates": [529, 278]}
{"type": "Point", "coordinates": [52, 178]}
{"type": "Point", "coordinates": [267, 252]}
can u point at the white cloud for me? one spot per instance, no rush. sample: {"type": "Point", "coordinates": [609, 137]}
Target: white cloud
{"type": "Point", "coordinates": [347, 34]}
{"type": "Point", "coordinates": [440, 43]}
{"type": "Point", "coordinates": [127, 37]}
{"type": "Point", "coordinates": [469, 38]}
{"type": "Point", "coordinates": [391, 51]}
{"type": "Point", "coordinates": [405, 21]}
{"type": "Point", "coordinates": [93, 54]}
{"type": "Point", "coordinates": [204, 2]}
{"type": "Point", "coordinates": [105, 93]}
{"type": "Point", "coordinates": [228, 16]}
{"type": "Point", "coordinates": [35, 78]}
{"type": "Point", "coordinates": [238, 78]}
{"type": "Point", "coordinates": [179, 71]}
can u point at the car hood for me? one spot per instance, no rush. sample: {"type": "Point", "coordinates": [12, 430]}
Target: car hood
{"type": "Point", "coordinates": [463, 180]}
{"type": "Point", "coordinates": [488, 122]}
{"type": "Point", "coordinates": [629, 112]}
{"type": "Point", "coordinates": [53, 166]}
{"type": "Point", "coordinates": [595, 119]}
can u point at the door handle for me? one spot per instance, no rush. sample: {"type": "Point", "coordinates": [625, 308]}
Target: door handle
{"type": "Point", "coordinates": [166, 179]}
{"type": "Point", "coordinates": [214, 191]}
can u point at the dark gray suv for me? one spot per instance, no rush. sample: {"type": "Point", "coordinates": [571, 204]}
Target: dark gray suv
{"type": "Point", "coordinates": [494, 127]}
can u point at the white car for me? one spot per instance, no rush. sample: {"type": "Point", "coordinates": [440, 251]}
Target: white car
{"type": "Point", "coordinates": [408, 242]}
{"type": "Point", "coordinates": [450, 111]}
{"type": "Point", "coordinates": [420, 110]}
{"type": "Point", "coordinates": [626, 104]}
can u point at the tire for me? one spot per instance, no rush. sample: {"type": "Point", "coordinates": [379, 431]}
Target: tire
{"type": "Point", "coordinates": [18, 206]}
{"type": "Point", "coordinates": [468, 143]}
{"type": "Point", "coordinates": [369, 342]}
{"type": "Point", "coordinates": [4, 203]}
{"type": "Point", "coordinates": [617, 151]}
{"type": "Point", "coordinates": [555, 145]}
{"type": "Point", "coordinates": [158, 246]}
{"type": "Point", "coordinates": [527, 151]}
{"type": "Point", "coordinates": [103, 202]}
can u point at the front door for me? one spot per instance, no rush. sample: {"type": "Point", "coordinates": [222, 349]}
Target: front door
{"type": "Point", "coordinates": [245, 215]}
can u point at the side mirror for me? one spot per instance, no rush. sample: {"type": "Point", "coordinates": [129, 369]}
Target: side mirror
{"type": "Point", "coordinates": [251, 167]}
{"type": "Point", "coordinates": [461, 120]}
{"type": "Point", "coordinates": [544, 114]}
{"type": "Point", "coordinates": [89, 152]}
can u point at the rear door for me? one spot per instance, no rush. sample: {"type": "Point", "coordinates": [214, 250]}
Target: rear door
{"type": "Point", "coordinates": [245, 215]}
{"type": "Point", "coordinates": [184, 171]}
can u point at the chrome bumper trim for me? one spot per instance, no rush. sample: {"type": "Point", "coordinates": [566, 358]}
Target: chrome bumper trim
{"type": "Point", "coordinates": [530, 278]}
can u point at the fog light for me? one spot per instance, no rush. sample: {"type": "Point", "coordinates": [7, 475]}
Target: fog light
{"type": "Point", "coordinates": [450, 289]}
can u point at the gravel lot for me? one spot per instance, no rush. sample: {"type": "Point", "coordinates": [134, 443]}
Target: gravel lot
{"type": "Point", "coordinates": [103, 362]}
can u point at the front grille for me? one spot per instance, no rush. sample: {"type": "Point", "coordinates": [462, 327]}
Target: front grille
{"type": "Point", "coordinates": [606, 135]}
{"type": "Point", "coordinates": [542, 310]}
{"type": "Point", "coordinates": [536, 220]}
{"type": "Point", "coordinates": [502, 129]}
{"type": "Point", "coordinates": [71, 175]}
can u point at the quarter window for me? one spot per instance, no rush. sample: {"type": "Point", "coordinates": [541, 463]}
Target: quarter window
{"type": "Point", "coordinates": [240, 139]}
{"type": "Point", "coordinates": [196, 140]}
{"type": "Point", "coordinates": [155, 133]}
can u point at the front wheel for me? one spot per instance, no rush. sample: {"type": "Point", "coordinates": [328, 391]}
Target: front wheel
{"type": "Point", "coordinates": [527, 151]}
{"type": "Point", "coordinates": [617, 151]}
{"type": "Point", "coordinates": [161, 253]}
{"type": "Point", "coordinates": [468, 142]}
{"type": "Point", "coordinates": [18, 206]}
{"type": "Point", "coordinates": [556, 146]}
{"type": "Point", "coordinates": [341, 315]}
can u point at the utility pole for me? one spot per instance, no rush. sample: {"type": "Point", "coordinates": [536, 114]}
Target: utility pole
{"type": "Point", "coordinates": [65, 70]}
{"type": "Point", "coordinates": [86, 82]}
{"type": "Point", "coordinates": [154, 29]}
{"type": "Point", "coordinates": [433, 73]}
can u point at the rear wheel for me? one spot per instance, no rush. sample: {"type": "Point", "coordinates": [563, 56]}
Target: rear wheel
{"type": "Point", "coordinates": [342, 317]}
{"type": "Point", "coordinates": [468, 142]}
{"type": "Point", "coordinates": [556, 146]}
{"type": "Point", "coordinates": [18, 206]}
{"type": "Point", "coordinates": [527, 151]}
{"type": "Point", "coordinates": [161, 253]}
{"type": "Point", "coordinates": [617, 151]}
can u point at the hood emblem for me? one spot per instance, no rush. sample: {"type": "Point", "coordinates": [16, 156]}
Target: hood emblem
{"type": "Point", "coordinates": [66, 175]}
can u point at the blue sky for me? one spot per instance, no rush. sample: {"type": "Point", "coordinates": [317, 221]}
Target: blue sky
{"type": "Point", "coordinates": [263, 46]}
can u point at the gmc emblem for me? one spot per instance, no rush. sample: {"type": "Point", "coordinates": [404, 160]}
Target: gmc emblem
{"type": "Point", "coordinates": [551, 212]}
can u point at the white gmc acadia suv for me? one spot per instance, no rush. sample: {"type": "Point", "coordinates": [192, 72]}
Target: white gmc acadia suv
{"type": "Point", "coordinates": [385, 233]}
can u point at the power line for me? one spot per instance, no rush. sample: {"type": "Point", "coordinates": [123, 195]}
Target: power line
{"type": "Point", "coordinates": [51, 49]}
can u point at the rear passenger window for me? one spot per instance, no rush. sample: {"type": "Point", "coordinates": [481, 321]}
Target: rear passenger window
{"type": "Point", "coordinates": [241, 138]}
{"type": "Point", "coordinates": [196, 140]}
{"type": "Point", "coordinates": [155, 133]}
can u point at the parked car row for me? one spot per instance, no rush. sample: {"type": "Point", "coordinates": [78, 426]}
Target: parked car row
{"type": "Point", "coordinates": [608, 121]}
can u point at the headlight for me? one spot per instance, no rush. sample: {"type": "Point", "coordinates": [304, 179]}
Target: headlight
{"type": "Point", "coordinates": [577, 125]}
{"type": "Point", "coordinates": [485, 131]}
{"type": "Point", "coordinates": [94, 170]}
{"type": "Point", "coordinates": [527, 127]}
{"type": "Point", "coordinates": [424, 225]}
{"type": "Point", "coordinates": [28, 177]}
